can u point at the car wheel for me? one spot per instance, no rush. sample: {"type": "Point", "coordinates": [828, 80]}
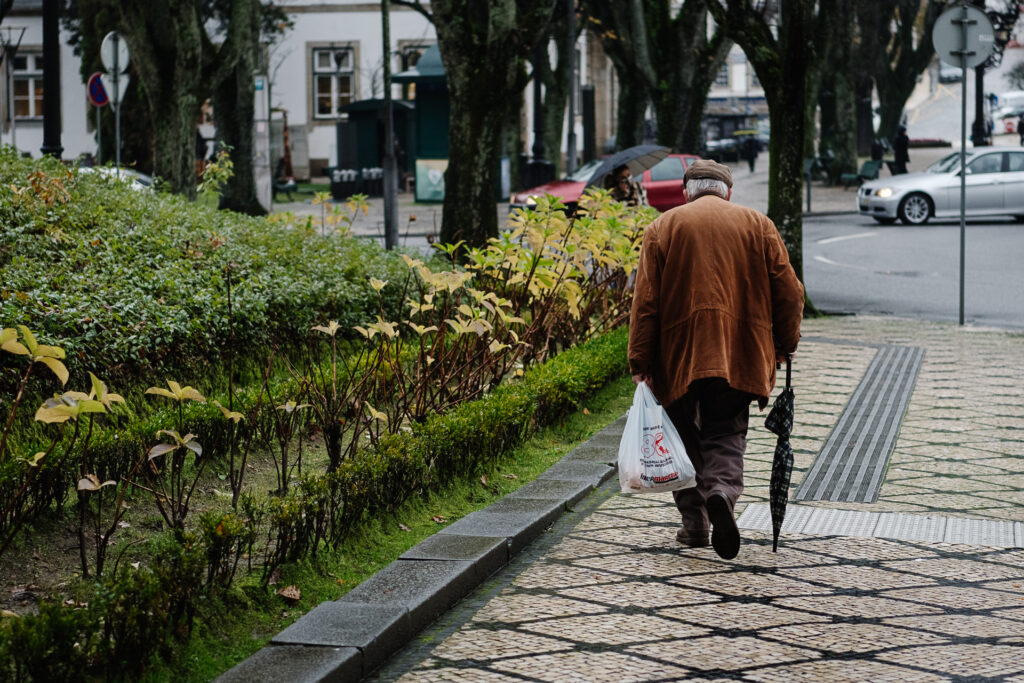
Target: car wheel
{"type": "Point", "coordinates": [883, 220]}
{"type": "Point", "coordinates": [915, 209]}
{"type": "Point", "coordinates": [1019, 219]}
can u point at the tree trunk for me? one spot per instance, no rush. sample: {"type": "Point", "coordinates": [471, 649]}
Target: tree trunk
{"type": "Point", "coordinates": [483, 47]}
{"type": "Point", "coordinates": [233, 109]}
{"type": "Point", "coordinates": [632, 110]}
{"type": "Point", "coordinates": [780, 65]}
{"type": "Point", "coordinates": [909, 50]}
{"type": "Point", "coordinates": [166, 47]}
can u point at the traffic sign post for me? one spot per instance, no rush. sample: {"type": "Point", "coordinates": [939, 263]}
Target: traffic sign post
{"type": "Point", "coordinates": [98, 96]}
{"type": "Point", "coordinates": [963, 37]}
{"type": "Point", "coordinates": [114, 55]}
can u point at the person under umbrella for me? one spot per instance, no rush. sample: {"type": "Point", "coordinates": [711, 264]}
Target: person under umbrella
{"type": "Point", "coordinates": [780, 422]}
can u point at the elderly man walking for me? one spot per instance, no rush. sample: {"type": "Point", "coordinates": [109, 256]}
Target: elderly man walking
{"type": "Point", "coordinates": [717, 305]}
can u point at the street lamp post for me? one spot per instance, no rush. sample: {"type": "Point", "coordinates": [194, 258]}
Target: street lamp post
{"type": "Point", "coordinates": [51, 79]}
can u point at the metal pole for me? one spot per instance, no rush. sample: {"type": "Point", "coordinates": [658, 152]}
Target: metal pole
{"type": "Point", "coordinates": [570, 161]}
{"type": "Point", "coordinates": [99, 138]}
{"type": "Point", "coordinates": [51, 79]}
{"type": "Point", "coordinates": [390, 179]}
{"type": "Point", "coordinates": [963, 152]}
{"type": "Point", "coordinates": [117, 106]}
{"type": "Point", "coordinates": [10, 97]}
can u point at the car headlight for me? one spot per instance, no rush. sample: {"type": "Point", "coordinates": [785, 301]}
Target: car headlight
{"type": "Point", "coordinates": [883, 192]}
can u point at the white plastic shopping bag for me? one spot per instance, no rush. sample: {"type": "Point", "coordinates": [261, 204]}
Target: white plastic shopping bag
{"type": "Point", "coordinates": [651, 454]}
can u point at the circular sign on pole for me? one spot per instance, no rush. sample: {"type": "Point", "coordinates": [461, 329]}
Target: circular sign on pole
{"type": "Point", "coordinates": [118, 87]}
{"type": "Point", "coordinates": [97, 93]}
{"type": "Point", "coordinates": [959, 47]}
{"type": "Point", "coordinates": [114, 53]}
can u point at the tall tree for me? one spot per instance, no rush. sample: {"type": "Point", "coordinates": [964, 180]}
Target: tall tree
{"type": "Point", "coordinates": [778, 45]}
{"type": "Point", "coordinates": [662, 55]}
{"type": "Point", "coordinates": [908, 51]}
{"type": "Point", "coordinates": [484, 46]}
{"type": "Point", "coordinates": [831, 87]}
{"type": "Point", "coordinates": [555, 78]}
{"type": "Point", "coordinates": [177, 66]}
{"type": "Point", "coordinates": [233, 98]}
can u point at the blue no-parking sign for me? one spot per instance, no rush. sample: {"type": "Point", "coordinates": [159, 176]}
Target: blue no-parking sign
{"type": "Point", "coordinates": [97, 93]}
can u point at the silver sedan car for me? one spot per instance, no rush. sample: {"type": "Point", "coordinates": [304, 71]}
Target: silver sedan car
{"type": "Point", "coordinates": [995, 187]}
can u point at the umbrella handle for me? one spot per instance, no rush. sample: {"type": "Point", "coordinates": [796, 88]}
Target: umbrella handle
{"type": "Point", "coordinates": [789, 368]}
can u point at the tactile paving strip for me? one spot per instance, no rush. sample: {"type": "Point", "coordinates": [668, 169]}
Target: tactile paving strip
{"type": "Point", "coordinates": [852, 463]}
{"type": "Point", "coordinates": [857, 523]}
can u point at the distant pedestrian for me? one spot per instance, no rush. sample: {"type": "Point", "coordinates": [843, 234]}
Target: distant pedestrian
{"type": "Point", "coordinates": [716, 306]}
{"type": "Point", "coordinates": [1020, 128]}
{"type": "Point", "coordinates": [900, 147]}
{"type": "Point", "coordinates": [625, 188]}
{"type": "Point", "coordinates": [750, 149]}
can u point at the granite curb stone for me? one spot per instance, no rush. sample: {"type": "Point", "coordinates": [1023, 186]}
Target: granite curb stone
{"type": "Point", "coordinates": [376, 630]}
{"type": "Point", "coordinates": [487, 554]}
{"type": "Point", "coordinates": [520, 521]}
{"type": "Point", "coordinates": [287, 663]}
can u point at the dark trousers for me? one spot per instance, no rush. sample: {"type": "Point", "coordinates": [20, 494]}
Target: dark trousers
{"type": "Point", "coordinates": [712, 420]}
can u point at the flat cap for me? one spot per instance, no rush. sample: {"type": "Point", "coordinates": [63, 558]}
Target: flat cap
{"type": "Point", "coordinates": [705, 168]}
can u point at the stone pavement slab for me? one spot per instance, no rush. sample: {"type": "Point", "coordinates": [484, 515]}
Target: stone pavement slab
{"type": "Point", "coordinates": [926, 583]}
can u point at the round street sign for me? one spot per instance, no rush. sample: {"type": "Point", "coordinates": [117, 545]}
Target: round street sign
{"type": "Point", "coordinates": [948, 37]}
{"type": "Point", "coordinates": [97, 93]}
{"type": "Point", "coordinates": [114, 53]}
{"type": "Point", "coordinates": [118, 85]}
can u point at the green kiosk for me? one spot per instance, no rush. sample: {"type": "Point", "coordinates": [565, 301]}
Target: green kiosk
{"type": "Point", "coordinates": [430, 123]}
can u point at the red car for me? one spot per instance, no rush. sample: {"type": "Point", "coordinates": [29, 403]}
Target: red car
{"type": "Point", "coordinates": [663, 182]}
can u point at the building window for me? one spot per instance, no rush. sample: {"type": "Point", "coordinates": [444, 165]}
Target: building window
{"type": "Point", "coordinates": [722, 79]}
{"type": "Point", "coordinates": [755, 82]}
{"type": "Point", "coordinates": [333, 74]}
{"type": "Point", "coordinates": [28, 85]}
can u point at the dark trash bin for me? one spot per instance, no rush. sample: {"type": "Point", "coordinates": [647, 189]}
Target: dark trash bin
{"type": "Point", "coordinates": [344, 182]}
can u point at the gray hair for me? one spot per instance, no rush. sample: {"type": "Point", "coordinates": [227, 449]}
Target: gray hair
{"type": "Point", "coordinates": [696, 186]}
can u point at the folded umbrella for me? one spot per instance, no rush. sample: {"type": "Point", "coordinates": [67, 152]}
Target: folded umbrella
{"type": "Point", "coordinates": [638, 159]}
{"type": "Point", "coordinates": [780, 422]}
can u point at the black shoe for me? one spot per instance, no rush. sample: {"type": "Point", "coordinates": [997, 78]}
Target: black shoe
{"type": "Point", "coordinates": [697, 539]}
{"type": "Point", "coordinates": [725, 535]}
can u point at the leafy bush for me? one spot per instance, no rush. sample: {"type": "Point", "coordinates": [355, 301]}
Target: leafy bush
{"type": "Point", "coordinates": [126, 280]}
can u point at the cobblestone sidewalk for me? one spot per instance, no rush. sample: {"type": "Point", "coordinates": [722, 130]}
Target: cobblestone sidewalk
{"type": "Point", "coordinates": [608, 595]}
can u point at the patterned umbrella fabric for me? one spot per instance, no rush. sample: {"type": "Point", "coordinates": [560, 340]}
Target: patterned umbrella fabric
{"type": "Point", "coordinates": [780, 422]}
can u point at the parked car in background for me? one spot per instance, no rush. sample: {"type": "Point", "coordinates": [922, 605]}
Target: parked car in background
{"type": "Point", "coordinates": [663, 183]}
{"type": "Point", "coordinates": [995, 186]}
{"type": "Point", "coordinates": [129, 176]}
{"type": "Point", "coordinates": [949, 74]}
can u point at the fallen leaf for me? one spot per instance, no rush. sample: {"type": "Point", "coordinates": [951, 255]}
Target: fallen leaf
{"type": "Point", "coordinates": [483, 480]}
{"type": "Point", "coordinates": [35, 556]}
{"type": "Point", "coordinates": [586, 412]}
{"type": "Point", "coordinates": [123, 525]}
{"type": "Point", "coordinates": [290, 593]}
{"type": "Point", "coordinates": [275, 578]}
{"type": "Point", "coordinates": [341, 582]}
{"type": "Point", "coordinates": [439, 519]}
{"type": "Point", "coordinates": [510, 476]}
{"type": "Point", "coordinates": [135, 565]}
{"type": "Point", "coordinates": [404, 527]}
{"type": "Point", "coordinates": [8, 614]}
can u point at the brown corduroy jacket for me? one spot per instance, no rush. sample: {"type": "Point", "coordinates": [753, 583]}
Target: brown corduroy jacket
{"type": "Point", "coordinates": [715, 296]}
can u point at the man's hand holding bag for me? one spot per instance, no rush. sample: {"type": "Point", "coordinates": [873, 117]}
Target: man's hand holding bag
{"type": "Point", "coordinates": [651, 454]}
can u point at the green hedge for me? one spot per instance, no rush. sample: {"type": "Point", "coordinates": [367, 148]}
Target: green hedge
{"type": "Point", "coordinates": [128, 280]}
{"type": "Point", "coordinates": [136, 614]}
{"type": "Point", "coordinates": [457, 444]}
